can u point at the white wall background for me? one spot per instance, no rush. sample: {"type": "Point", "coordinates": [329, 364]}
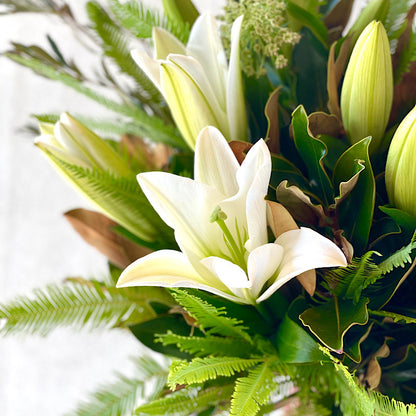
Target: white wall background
{"type": "Point", "coordinates": [45, 376]}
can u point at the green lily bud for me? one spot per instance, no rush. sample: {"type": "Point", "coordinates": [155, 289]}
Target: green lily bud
{"type": "Point", "coordinates": [73, 143]}
{"type": "Point", "coordinates": [401, 166]}
{"type": "Point", "coordinates": [367, 91]}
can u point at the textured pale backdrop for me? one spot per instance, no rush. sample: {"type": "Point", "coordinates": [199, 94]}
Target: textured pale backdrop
{"type": "Point", "coordinates": [45, 376]}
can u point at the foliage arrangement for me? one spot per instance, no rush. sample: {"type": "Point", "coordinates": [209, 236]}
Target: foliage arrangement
{"type": "Point", "coordinates": [267, 246]}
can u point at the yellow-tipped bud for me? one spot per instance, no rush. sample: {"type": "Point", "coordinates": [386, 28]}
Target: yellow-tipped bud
{"type": "Point", "coordinates": [367, 91]}
{"type": "Point", "coordinates": [401, 166]}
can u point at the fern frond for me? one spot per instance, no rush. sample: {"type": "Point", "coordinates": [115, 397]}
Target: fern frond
{"type": "Point", "coordinates": [121, 199]}
{"type": "Point", "coordinates": [209, 345]}
{"type": "Point", "coordinates": [140, 21]}
{"type": "Point", "coordinates": [87, 306]}
{"type": "Point", "coordinates": [116, 46]}
{"type": "Point", "coordinates": [151, 127]}
{"type": "Point", "coordinates": [186, 402]}
{"type": "Point", "coordinates": [348, 282]}
{"type": "Point", "coordinates": [407, 56]}
{"type": "Point", "coordinates": [203, 369]}
{"type": "Point", "coordinates": [208, 317]}
{"type": "Point", "coordinates": [400, 258]}
{"type": "Point", "coordinates": [29, 6]}
{"type": "Point", "coordinates": [396, 317]}
{"type": "Point", "coordinates": [252, 391]}
{"type": "Point", "coordinates": [394, 21]}
{"type": "Point", "coordinates": [122, 396]}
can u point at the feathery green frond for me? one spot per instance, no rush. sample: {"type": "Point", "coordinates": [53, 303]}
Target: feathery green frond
{"type": "Point", "coordinates": [140, 22]}
{"type": "Point", "coordinates": [30, 6]}
{"type": "Point", "coordinates": [209, 345]}
{"type": "Point", "coordinates": [252, 391]}
{"type": "Point", "coordinates": [185, 402]}
{"type": "Point", "coordinates": [89, 306]}
{"type": "Point", "coordinates": [209, 317]}
{"type": "Point", "coordinates": [400, 258]}
{"type": "Point", "coordinates": [348, 282]}
{"type": "Point", "coordinates": [152, 127]}
{"type": "Point", "coordinates": [121, 199]}
{"type": "Point", "coordinates": [397, 317]}
{"type": "Point", "coordinates": [203, 369]}
{"type": "Point", "coordinates": [122, 396]}
{"type": "Point", "coordinates": [394, 21]}
{"type": "Point", "coordinates": [117, 46]}
{"type": "Point", "coordinates": [407, 56]}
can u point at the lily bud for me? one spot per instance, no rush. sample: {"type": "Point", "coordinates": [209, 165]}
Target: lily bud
{"type": "Point", "coordinates": [401, 166]}
{"type": "Point", "coordinates": [367, 91]}
{"type": "Point", "coordinates": [199, 86]}
{"type": "Point", "coordinates": [73, 143]}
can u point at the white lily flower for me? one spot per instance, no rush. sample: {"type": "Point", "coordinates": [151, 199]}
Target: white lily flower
{"type": "Point", "coordinates": [195, 80]}
{"type": "Point", "coordinates": [221, 228]}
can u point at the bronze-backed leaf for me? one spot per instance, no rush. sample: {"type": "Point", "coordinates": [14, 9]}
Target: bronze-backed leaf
{"type": "Point", "coordinates": [97, 230]}
{"type": "Point", "coordinates": [271, 111]}
{"type": "Point", "coordinates": [240, 149]}
{"type": "Point", "coordinates": [337, 18]}
{"type": "Point", "coordinates": [322, 123]}
{"type": "Point", "coordinates": [280, 221]}
{"type": "Point", "coordinates": [346, 247]}
{"type": "Point", "coordinates": [336, 68]}
{"type": "Point", "coordinates": [373, 373]}
{"type": "Point", "coordinates": [300, 205]}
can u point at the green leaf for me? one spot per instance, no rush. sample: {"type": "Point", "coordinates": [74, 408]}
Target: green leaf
{"type": "Point", "coordinates": [209, 317]}
{"type": "Point", "coordinates": [252, 391]}
{"type": "Point", "coordinates": [187, 401]}
{"type": "Point", "coordinates": [308, 19]}
{"type": "Point", "coordinates": [87, 305]}
{"type": "Point", "coordinates": [312, 151]}
{"type": "Point", "coordinates": [200, 370]}
{"type": "Point", "coordinates": [332, 319]}
{"type": "Point", "coordinates": [401, 218]}
{"type": "Point", "coordinates": [146, 333]}
{"type": "Point", "coordinates": [283, 169]}
{"type": "Point", "coordinates": [355, 212]}
{"type": "Point", "coordinates": [180, 11]}
{"type": "Point", "coordinates": [294, 343]}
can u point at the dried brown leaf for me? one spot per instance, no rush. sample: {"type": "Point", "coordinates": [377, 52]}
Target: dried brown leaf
{"type": "Point", "coordinates": [240, 149]}
{"type": "Point", "coordinates": [271, 111]}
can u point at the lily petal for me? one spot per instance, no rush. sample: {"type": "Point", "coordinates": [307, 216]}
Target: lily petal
{"type": "Point", "coordinates": [215, 163]}
{"type": "Point", "coordinates": [190, 108]}
{"type": "Point", "coordinates": [236, 111]}
{"type": "Point", "coordinates": [186, 206]}
{"type": "Point", "coordinates": [166, 268]}
{"type": "Point", "coordinates": [165, 43]}
{"type": "Point", "coordinates": [262, 263]}
{"type": "Point", "coordinates": [205, 46]}
{"type": "Point", "coordinates": [232, 275]}
{"type": "Point", "coordinates": [304, 250]}
{"type": "Point", "coordinates": [148, 65]}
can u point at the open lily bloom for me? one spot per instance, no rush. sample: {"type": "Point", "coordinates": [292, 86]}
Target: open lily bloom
{"type": "Point", "coordinates": [198, 85]}
{"type": "Point", "coordinates": [221, 228]}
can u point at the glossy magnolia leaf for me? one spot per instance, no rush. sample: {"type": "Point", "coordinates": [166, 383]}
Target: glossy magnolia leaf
{"type": "Point", "coordinates": [354, 338]}
{"type": "Point", "coordinates": [147, 332]}
{"type": "Point", "coordinates": [401, 218]}
{"type": "Point", "coordinates": [271, 111]}
{"type": "Point", "coordinates": [321, 123]}
{"type": "Point", "coordinates": [355, 213]}
{"type": "Point", "coordinates": [300, 205]}
{"type": "Point", "coordinates": [240, 149]}
{"type": "Point", "coordinates": [340, 315]}
{"type": "Point", "coordinates": [338, 17]}
{"type": "Point", "coordinates": [294, 344]}
{"type": "Point", "coordinates": [312, 152]}
{"type": "Point", "coordinates": [381, 229]}
{"type": "Point", "coordinates": [98, 230]}
{"type": "Point", "coordinates": [283, 170]}
{"type": "Point", "coordinates": [336, 68]}
{"type": "Point", "coordinates": [309, 64]}
{"type": "Point", "coordinates": [308, 19]}
{"type": "Point", "coordinates": [372, 375]}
